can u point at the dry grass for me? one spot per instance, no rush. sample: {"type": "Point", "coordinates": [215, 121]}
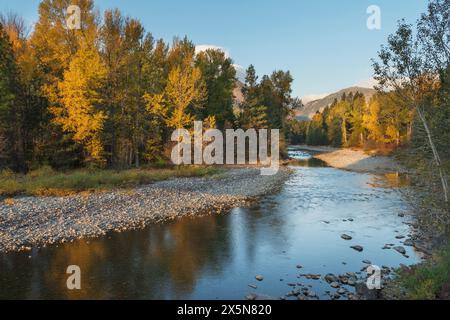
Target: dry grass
{"type": "Point", "coordinates": [47, 182]}
{"type": "Point", "coordinates": [428, 280]}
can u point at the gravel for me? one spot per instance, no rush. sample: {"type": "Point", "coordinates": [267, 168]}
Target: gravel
{"type": "Point", "coordinates": [40, 221]}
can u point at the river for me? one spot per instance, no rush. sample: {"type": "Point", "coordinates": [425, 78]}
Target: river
{"type": "Point", "coordinates": [218, 256]}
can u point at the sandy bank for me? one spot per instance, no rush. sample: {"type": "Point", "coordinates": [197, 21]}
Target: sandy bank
{"type": "Point", "coordinates": [354, 160]}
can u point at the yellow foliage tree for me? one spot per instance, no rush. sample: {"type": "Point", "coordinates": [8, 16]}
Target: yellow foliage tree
{"type": "Point", "coordinates": [185, 90]}
{"type": "Point", "coordinates": [79, 98]}
{"type": "Point", "coordinates": [371, 120]}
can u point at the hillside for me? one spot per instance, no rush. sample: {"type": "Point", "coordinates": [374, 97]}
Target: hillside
{"type": "Point", "coordinates": [312, 107]}
{"type": "Point", "coordinates": [237, 93]}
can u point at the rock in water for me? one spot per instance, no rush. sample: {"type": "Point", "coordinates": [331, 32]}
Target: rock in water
{"type": "Point", "coordinates": [346, 237]}
{"type": "Point", "coordinates": [400, 249]}
{"type": "Point", "coordinates": [312, 294]}
{"type": "Point", "coordinates": [259, 278]}
{"type": "Point", "coordinates": [331, 278]}
{"type": "Point", "coordinates": [251, 297]}
{"type": "Point", "coordinates": [334, 285]}
{"type": "Point", "coordinates": [408, 243]}
{"type": "Point", "coordinates": [365, 293]}
{"type": "Point", "coordinates": [341, 291]}
{"type": "Point", "coordinates": [357, 248]}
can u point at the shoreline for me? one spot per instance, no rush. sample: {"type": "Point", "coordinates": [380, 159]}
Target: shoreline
{"type": "Point", "coordinates": [31, 222]}
{"type": "Point", "coordinates": [354, 160]}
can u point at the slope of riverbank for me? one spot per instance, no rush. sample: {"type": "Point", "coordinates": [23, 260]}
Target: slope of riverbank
{"type": "Point", "coordinates": [38, 221]}
{"type": "Point", "coordinates": [354, 160]}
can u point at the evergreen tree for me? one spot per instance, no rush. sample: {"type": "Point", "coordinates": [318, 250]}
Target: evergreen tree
{"type": "Point", "coordinates": [254, 114]}
{"type": "Point", "coordinates": [7, 74]}
{"type": "Point", "coordinates": [219, 76]}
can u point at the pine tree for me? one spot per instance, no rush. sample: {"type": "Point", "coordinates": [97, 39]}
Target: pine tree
{"type": "Point", "coordinates": [219, 76]}
{"type": "Point", "coordinates": [7, 73]}
{"type": "Point", "coordinates": [254, 114]}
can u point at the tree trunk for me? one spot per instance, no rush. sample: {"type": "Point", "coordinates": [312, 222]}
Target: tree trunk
{"type": "Point", "coordinates": [409, 133]}
{"type": "Point", "coordinates": [20, 152]}
{"type": "Point", "coordinates": [397, 138]}
{"type": "Point", "coordinates": [437, 159]}
{"type": "Point", "coordinates": [344, 132]}
{"type": "Point", "coordinates": [136, 155]}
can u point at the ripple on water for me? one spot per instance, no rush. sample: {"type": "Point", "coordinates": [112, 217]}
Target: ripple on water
{"type": "Point", "coordinates": [218, 256]}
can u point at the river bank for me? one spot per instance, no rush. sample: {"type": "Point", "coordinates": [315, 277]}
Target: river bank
{"type": "Point", "coordinates": [429, 279]}
{"type": "Point", "coordinates": [354, 160]}
{"type": "Point", "coordinates": [28, 222]}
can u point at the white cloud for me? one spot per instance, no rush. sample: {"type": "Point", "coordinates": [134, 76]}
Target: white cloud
{"type": "Point", "coordinates": [240, 72]}
{"type": "Point", "coordinates": [204, 47]}
{"type": "Point", "coordinates": [368, 83]}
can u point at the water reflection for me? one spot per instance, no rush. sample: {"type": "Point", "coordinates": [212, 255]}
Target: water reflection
{"type": "Point", "coordinates": [162, 262]}
{"type": "Point", "coordinates": [218, 256]}
{"type": "Point", "coordinates": [304, 159]}
{"type": "Point", "coordinates": [391, 180]}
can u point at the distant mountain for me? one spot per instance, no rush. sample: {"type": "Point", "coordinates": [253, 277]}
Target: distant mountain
{"type": "Point", "coordinates": [237, 93]}
{"type": "Point", "coordinates": [311, 108]}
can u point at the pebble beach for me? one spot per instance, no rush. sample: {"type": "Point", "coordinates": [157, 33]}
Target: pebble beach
{"type": "Point", "coordinates": [30, 222]}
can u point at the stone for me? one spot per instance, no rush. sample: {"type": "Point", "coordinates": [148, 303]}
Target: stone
{"type": "Point", "coordinates": [400, 250]}
{"type": "Point", "coordinates": [312, 294]}
{"type": "Point", "coordinates": [346, 237]}
{"type": "Point", "coordinates": [357, 248]}
{"type": "Point", "coordinates": [335, 285]}
{"type": "Point", "coordinates": [331, 278]}
{"type": "Point", "coordinates": [251, 297]}
{"type": "Point", "coordinates": [351, 282]}
{"type": "Point", "coordinates": [408, 243]}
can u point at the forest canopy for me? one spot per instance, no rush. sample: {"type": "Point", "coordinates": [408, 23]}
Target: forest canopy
{"type": "Point", "coordinates": [108, 94]}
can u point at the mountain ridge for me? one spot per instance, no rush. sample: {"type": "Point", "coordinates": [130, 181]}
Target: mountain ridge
{"type": "Point", "coordinates": [312, 107]}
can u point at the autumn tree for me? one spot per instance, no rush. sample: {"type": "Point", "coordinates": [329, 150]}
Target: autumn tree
{"type": "Point", "coordinates": [54, 44]}
{"type": "Point", "coordinates": [316, 133]}
{"type": "Point", "coordinates": [357, 135]}
{"type": "Point", "coordinates": [183, 97]}
{"type": "Point", "coordinates": [405, 66]}
{"type": "Point", "coordinates": [79, 109]}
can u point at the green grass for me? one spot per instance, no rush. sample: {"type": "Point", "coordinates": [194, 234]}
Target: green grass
{"type": "Point", "coordinates": [46, 181]}
{"type": "Point", "coordinates": [426, 281]}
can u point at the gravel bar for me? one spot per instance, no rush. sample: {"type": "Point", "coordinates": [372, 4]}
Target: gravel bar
{"type": "Point", "coordinates": [40, 221]}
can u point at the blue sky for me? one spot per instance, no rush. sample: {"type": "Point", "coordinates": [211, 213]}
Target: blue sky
{"type": "Point", "coordinates": [324, 43]}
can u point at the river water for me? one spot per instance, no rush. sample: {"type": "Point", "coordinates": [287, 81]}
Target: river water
{"type": "Point", "coordinates": [218, 256]}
